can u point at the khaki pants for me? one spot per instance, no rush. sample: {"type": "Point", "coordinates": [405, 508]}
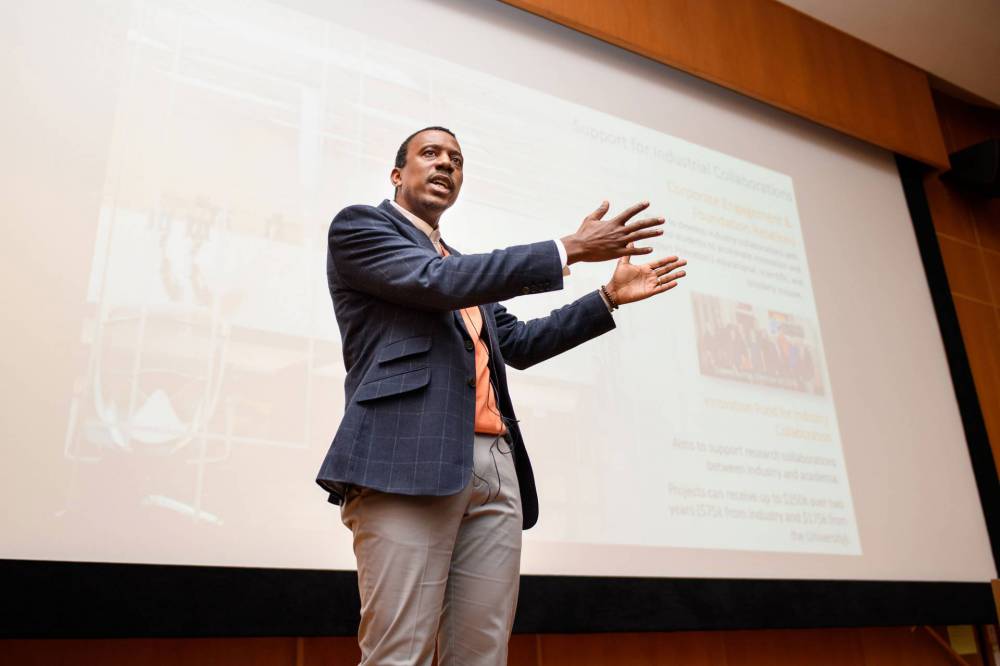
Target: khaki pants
{"type": "Point", "coordinates": [441, 569]}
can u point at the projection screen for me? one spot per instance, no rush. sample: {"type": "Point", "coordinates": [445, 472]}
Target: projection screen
{"type": "Point", "coordinates": [172, 368]}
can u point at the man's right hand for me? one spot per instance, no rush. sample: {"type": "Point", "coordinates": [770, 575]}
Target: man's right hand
{"type": "Point", "coordinates": [599, 240]}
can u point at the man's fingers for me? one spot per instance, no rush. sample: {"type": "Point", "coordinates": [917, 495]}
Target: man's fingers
{"type": "Point", "coordinates": [642, 235]}
{"type": "Point", "coordinates": [665, 287]}
{"type": "Point", "coordinates": [663, 261]}
{"type": "Point", "coordinates": [673, 277]}
{"type": "Point", "coordinates": [663, 267]}
{"type": "Point", "coordinates": [599, 211]}
{"type": "Point", "coordinates": [627, 259]}
{"type": "Point", "coordinates": [630, 212]}
{"type": "Point", "coordinates": [643, 224]}
{"type": "Point", "coordinates": [631, 249]}
{"type": "Point", "coordinates": [642, 229]}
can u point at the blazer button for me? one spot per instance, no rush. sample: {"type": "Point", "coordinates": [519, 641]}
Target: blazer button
{"type": "Point", "coordinates": [472, 382]}
{"type": "Point", "coordinates": [469, 346]}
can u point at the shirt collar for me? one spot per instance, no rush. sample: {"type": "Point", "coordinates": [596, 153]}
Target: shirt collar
{"type": "Point", "coordinates": [431, 232]}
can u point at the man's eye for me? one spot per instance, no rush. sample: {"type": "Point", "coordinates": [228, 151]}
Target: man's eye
{"type": "Point", "coordinates": [457, 161]}
{"type": "Point", "coordinates": [428, 153]}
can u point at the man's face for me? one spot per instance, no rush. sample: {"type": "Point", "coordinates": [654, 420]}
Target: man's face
{"type": "Point", "coordinates": [429, 182]}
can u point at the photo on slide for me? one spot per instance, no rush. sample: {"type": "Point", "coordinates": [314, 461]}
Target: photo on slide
{"type": "Point", "coordinates": [744, 342]}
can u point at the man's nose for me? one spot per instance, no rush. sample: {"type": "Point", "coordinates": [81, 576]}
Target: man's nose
{"type": "Point", "coordinates": [444, 162]}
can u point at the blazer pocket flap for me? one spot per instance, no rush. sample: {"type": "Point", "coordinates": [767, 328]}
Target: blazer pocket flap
{"type": "Point", "coordinates": [394, 385]}
{"type": "Point", "coordinates": [403, 348]}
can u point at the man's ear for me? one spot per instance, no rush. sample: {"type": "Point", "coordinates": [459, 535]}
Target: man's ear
{"type": "Point", "coordinates": [395, 177]}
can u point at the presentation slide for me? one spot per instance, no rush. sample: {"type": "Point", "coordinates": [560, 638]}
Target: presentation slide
{"type": "Point", "coordinates": [176, 375]}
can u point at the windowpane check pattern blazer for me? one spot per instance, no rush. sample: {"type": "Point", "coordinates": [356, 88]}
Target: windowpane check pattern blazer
{"type": "Point", "coordinates": [410, 388]}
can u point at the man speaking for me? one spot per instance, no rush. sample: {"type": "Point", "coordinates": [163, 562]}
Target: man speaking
{"type": "Point", "coordinates": [428, 463]}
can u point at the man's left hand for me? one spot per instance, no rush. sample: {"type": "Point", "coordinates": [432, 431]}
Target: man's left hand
{"type": "Point", "coordinates": [632, 282]}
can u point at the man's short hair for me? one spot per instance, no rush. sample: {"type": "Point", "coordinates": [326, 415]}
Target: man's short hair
{"type": "Point", "coordinates": [403, 147]}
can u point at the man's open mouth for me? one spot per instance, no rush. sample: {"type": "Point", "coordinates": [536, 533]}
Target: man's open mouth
{"type": "Point", "coordinates": [442, 183]}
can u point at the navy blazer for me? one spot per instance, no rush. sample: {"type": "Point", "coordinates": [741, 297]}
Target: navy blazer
{"type": "Point", "coordinates": [410, 390]}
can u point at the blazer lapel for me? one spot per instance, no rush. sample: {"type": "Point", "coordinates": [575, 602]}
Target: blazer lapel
{"type": "Point", "coordinates": [490, 330]}
{"type": "Point", "coordinates": [406, 227]}
{"type": "Point", "coordinates": [459, 321]}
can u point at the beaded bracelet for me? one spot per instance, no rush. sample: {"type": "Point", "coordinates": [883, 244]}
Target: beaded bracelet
{"type": "Point", "coordinates": [611, 300]}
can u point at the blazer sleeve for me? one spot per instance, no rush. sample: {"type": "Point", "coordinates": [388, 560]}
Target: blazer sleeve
{"type": "Point", "coordinates": [523, 344]}
{"type": "Point", "coordinates": [371, 255]}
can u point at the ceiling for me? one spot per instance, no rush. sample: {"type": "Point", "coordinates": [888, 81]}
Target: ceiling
{"type": "Point", "coordinates": [956, 41]}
